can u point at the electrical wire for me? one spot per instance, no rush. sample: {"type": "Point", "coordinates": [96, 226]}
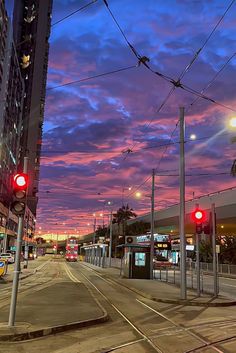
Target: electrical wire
{"type": "Point", "coordinates": [94, 152]}
{"type": "Point", "coordinates": [92, 77]}
{"type": "Point", "coordinates": [74, 12]}
{"type": "Point", "coordinates": [176, 84]}
{"type": "Point", "coordinates": [206, 41]}
{"type": "Point", "coordinates": [212, 80]}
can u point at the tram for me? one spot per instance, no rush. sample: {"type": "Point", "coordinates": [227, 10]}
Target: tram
{"type": "Point", "coordinates": [72, 249]}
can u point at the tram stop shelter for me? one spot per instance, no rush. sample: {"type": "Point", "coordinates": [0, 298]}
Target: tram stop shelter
{"type": "Point", "coordinates": [136, 261]}
{"type": "Point", "coordinates": [95, 254]}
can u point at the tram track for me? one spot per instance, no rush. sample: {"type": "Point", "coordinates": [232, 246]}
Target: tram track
{"type": "Point", "coordinates": [203, 342]}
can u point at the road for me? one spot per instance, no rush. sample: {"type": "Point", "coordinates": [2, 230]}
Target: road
{"type": "Point", "coordinates": [227, 286]}
{"type": "Point", "coordinates": [136, 324]}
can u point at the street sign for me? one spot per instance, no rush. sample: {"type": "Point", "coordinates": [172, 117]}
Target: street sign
{"type": "Point", "coordinates": [217, 249]}
{"type": "Point", "coordinates": [162, 245]}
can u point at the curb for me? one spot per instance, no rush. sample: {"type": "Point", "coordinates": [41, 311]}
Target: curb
{"type": "Point", "coordinates": [175, 301]}
{"type": "Point", "coordinates": [53, 330]}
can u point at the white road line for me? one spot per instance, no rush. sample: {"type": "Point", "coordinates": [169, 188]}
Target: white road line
{"type": "Point", "coordinates": [70, 275]}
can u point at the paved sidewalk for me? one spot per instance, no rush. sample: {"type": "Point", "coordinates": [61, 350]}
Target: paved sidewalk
{"type": "Point", "coordinates": [52, 307]}
{"type": "Point", "coordinates": [162, 291]}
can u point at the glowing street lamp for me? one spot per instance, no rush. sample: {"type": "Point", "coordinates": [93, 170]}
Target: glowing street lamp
{"type": "Point", "coordinates": [193, 137]}
{"type": "Point", "coordinates": [232, 122]}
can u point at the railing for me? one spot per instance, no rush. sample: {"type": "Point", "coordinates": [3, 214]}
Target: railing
{"type": "Point", "coordinates": [208, 267]}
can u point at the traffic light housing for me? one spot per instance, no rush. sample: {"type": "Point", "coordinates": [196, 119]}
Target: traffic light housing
{"type": "Point", "coordinates": [20, 185]}
{"type": "Point", "coordinates": [198, 216]}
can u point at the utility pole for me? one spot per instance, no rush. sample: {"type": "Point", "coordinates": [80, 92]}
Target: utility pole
{"type": "Point", "coordinates": [152, 224]}
{"type": "Point", "coordinates": [215, 274]}
{"type": "Point", "coordinates": [110, 244]}
{"type": "Point", "coordinates": [183, 291]}
{"type": "Point", "coordinates": [12, 312]}
{"type": "Point", "coordinates": [197, 259]}
{"type": "Point", "coordinates": [94, 231]}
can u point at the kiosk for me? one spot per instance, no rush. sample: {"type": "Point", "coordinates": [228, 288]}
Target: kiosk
{"type": "Point", "coordinates": [136, 261]}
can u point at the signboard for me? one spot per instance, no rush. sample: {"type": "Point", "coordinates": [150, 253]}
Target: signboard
{"type": "Point", "coordinates": [217, 249]}
{"type": "Point", "coordinates": [161, 245]}
{"type": "Point", "coordinates": [2, 267]}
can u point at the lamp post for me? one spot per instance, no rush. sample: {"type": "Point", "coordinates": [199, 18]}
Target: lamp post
{"type": "Point", "coordinates": [183, 290]}
{"type": "Point", "coordinates": [138, 195]}
{"type": "Point", "coordinates": [232, 124]}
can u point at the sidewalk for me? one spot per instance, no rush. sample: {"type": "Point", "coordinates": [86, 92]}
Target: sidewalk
{"type": "Point", "coordinates": [162, 291]}
{"type": "Point", "coordinates": [54, 307]}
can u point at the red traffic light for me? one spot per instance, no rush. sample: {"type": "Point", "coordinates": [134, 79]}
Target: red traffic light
{"type": "Point", "coordinates": [198, 216]}
{"type": "Point", "coordinates": [20, 181]}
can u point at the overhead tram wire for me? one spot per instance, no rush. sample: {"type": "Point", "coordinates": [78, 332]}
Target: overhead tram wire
{"type": "Point", "coordinates": [212, 80]}
{"type": "Point", "coordinates": [74, 12]}
{"type": "Point", "coordinates": [206, 41]}
{"type": "Point", "coordinates": [92, 77]}
{"type": "Point", "coordinates": [176, 84]}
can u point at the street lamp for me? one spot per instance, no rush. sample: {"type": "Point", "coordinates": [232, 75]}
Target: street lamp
{"type": "Point", "coordinates": [123, 191]}
{"type": "Point", "coordinates": [232, 124]}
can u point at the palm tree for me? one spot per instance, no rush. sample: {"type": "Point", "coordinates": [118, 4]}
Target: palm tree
{"type": "Point", "coordinates": [121, 217]}
{"type": "Point", "coordinates": [123, 214]}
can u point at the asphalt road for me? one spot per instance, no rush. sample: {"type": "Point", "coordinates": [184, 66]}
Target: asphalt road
{"type": "Point", "coordinates": [136, 324]}
{"type": "Point", "coordinates": [227, 286]}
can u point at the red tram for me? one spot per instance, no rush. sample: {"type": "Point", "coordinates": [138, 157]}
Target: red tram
{"type": "Point", "coordinates": [72, 249]}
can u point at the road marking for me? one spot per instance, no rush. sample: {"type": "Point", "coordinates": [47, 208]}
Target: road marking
{"type": "Point", "coordinates": [229, 285]}
{"type": "Point", "coordinates": [70, 275]}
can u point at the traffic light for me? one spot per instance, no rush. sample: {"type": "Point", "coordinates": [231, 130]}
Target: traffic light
{"type": "Point", "coordinates": [198, 216]}
{"type": "Point", "coordinates": [20, 185]}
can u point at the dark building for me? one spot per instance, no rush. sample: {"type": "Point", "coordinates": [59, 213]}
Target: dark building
{"type": "Point", "coordinates": [31, 29]}
{"type": "Point", "coordinates": [11, 101]}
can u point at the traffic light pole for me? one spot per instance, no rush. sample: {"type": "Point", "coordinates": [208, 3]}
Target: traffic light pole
{"type": "Point", "coordinates": [152, 225]}
{"type": "Point", "coordinates": [215, 275]}
{"type": "Point", "coordinates": [183, 291]}
{"type": "Point", "coordinates": [110, 244]}
{"type": "Point", "coordinates": [12, 313]}
{"type": "Point", "coordinates": [197, 260]}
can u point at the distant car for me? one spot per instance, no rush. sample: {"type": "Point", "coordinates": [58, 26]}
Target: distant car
{"type": "Point", "coordinates": [161, 263]}
{"type": "Point", "coordinates": [7, 256]}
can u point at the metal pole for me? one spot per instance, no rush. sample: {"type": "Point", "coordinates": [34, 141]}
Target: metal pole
{"type": "Point", "coordinates": [57, 244]}
{"type": "Point", "coordinates": [110, 244]}
{"type": "Point", "coordinates": [12, 312]}
{"type": "Point", "coordinates": [94, 231]}
{"type": "Point", "coordinates": [152, 225]}
{"type": "Point", "coordinates": [198, 261]}
{"type": "Point", "coordinates": [5, 233]}
{"type": "Point", "coordinates": [214, 248]}
{"type": "Point", "coordinates": [183, 292]}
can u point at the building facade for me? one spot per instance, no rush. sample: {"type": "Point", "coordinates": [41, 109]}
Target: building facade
{"type": "Point", "coordinates": [11, 103]}
{"type": "Point", "coordinates": [31, 29]}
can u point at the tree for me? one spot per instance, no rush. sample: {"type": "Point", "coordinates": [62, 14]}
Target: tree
{"type": "Point", "coordinates": [101, 232]}
{"type": "Point", "coordinates": [138, 228]}
{"type": "Point", "coordinates": [121, 217]}
{"type": "Point", "coordinates": [228, 250]}
{"type": "Point", "coordinates": [123, 214]}
{"type": "Point", "coordinates": [205, 251]}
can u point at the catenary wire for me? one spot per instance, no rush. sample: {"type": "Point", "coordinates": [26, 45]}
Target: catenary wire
{"type": "Point", "coordinates": [206, 41]}
{"type": "Point", "coordinates": [212, 80]}
{"type": "Point", "coordinates": [92, 77]}
{"type": "Point", "coordinates": [73, 13]}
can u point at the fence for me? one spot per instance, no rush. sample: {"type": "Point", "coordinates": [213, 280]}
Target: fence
{"type": "Point", "coordinates": [208, 267]}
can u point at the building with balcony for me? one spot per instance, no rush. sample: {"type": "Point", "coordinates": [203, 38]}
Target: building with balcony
{"type": "Point", "coordinates": [31, 29]}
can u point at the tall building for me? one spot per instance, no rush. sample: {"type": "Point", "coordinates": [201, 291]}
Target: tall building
{"type": "Point", "coordinates": [31, 29]}
{"type": "Point", "coordinates": [11, 102]}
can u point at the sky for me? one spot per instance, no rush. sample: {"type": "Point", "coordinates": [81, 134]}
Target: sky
{"type": "Point", "coordinates": [89, 126]}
